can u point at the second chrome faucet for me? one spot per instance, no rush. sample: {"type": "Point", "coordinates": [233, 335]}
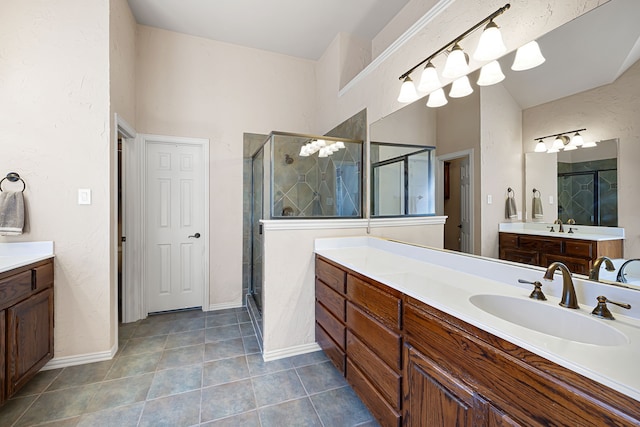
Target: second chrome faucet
{"type": "Point", "coordinates": [568, 298]}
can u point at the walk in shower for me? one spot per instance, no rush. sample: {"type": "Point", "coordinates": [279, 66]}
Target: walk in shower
{"type": "Point", "coordinates": [301, 177]}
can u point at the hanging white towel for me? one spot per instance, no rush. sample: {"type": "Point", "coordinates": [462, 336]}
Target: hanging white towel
{"type": "Point", "coordinates": [536, 206]}
{"type": "Point", "coordinates": [11, 213]}
{"type": "Point", "coordinates": [510, 210]}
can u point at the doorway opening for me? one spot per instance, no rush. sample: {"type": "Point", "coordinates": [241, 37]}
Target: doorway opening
{"type": "Point", "coordinates": [455, 197]}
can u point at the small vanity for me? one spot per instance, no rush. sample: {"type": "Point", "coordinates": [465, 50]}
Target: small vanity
{"type": "Point", "coordinates": [431, 337]}
{"type": "Point", "coordinates": [535, 244]}
{"type": "Point", "coordinates": [26, 313]}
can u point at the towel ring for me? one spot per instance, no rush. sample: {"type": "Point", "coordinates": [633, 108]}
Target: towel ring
{"type": "Point", "coordinates": [536, 193]}
{"type": "Point", "coordinates": [510, 192]}
{"type": "Point", "coordinates": [13, 177]}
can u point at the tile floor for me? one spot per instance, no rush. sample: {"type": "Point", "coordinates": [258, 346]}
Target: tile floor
{"type": "Point", "coordinates": [188, 369]}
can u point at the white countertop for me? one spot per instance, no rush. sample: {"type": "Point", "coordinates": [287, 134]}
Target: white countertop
{"type": "Point", "coordinates": [446, 281]}
{"type": "Point", "coordinates": [581, 232]}
{"type": "Point", "coordinates": [14, 255]}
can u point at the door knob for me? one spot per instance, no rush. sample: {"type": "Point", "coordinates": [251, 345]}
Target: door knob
{"type": "Point", "coordinates": [197, 236]}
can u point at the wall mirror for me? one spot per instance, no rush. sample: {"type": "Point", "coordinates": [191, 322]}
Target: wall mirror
{"type": "Point", "coordinates": [591, 51]}
{"type": "Point", "coordinates": [402, 180]}
{"type": "Point", "coordinates": [580, 184]}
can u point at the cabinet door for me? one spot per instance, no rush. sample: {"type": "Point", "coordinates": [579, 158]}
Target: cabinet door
{"type": "Point", "coordinates": [575, 265]}
{"type": "Point", "coordinates": [3, 366]}
{"type": "Point", "coordinates": [29, 338]}
{"type": "Point", "coordinates": [521, 256]}
{"type": "Point", "coordinates": [433, 397]}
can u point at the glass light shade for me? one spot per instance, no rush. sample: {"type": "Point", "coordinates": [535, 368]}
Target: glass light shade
{"type": "Point", "coordinates": [460, 87]}
{"type": "Point", "coordinates": [553, 150]}
{"type": "Point", "coordinates": [527, 56]}
{"type": "Point", "coordinates": [321, 143]}
{"type": "Point", "coordinates": [558, 143]}
{"type": "Point", "coordinates": [429, 80]}
{"type": "Point", "coordinates": [407, 91]}
{"type": "Point", "coordinates": [541, 147]}
{"type": "Point", "coordinates": [333, 148]}
{"type": "Point", "coordinates": [324, 152]}
{"type": "Point", "coordinates": [490, 74]}
{"type": "Point", "coordinates": [437, 98]}
{"type": "Point", "coordinates": [490, 46]}
{"type": "Point", "coordinates": [340, 144]}
{"type": "Point", "coordinates": [304, 151]}
{"type": "Point", "coordinates": [456, 65]}
{"type": "Point", "coordinates": [589, 144]}
{"type": "Point", "coordinates": [570, 147]}
{"type": "Point", "coordinates": [577, 140]}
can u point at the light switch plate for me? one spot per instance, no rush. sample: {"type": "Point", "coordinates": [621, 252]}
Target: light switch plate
{"type": "Point", "coordinates": [84, 196]}
{"type": "Point", "coordinates": [489, 199]}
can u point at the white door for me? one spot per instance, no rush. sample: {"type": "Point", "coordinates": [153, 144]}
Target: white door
{"type": "Point", "coordinates": [465, 206]}
{"type": "Point", "coordinates": [175, 225]}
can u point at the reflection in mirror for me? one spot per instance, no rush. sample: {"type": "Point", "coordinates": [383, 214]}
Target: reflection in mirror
{"type": "Point", "coordinates": [402, 180]}
{"type": "Point", "coordinates": [583, 182]}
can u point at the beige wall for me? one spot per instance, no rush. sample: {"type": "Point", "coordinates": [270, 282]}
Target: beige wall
{"type": "Point", "coordinates": [608, 112]}
{"type": "Point", "coordinates": [54, 131]}
{"type": "Point", "coordinates": [193, 87]}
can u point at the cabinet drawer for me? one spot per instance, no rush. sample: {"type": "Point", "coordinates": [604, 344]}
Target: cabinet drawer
{"type": "Point", "coordinates": [379, 407]}
{"type": "Point", "coordinates": [577, 248]}
{"type": "Point", "coordinates": [330, 324]}
{"type": "Point", "coordinates": [44, 276]}
{"type": "Point", "coordinates": [384, 342]}
{"type": "Point", "coordinates": [382, 305]}
{"type": "Point", "coordinates": [331, 349]}
{"type": "Point", "coordinates": [575, 265]}
{"type": "Point", "coordinates": [508, 240]}
{"type": "Point", "coordinates": [331, 300]}
{"type": "Point", "coordinates": [15, 288]}
{"type": "Point", "coordinates": [551, 245]}
{"type": "Point", "coordinates": [330, 274]}
{"type": "Point", "coordinates": [386, 380]}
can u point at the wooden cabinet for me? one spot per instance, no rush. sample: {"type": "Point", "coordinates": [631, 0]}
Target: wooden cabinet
{"type": "Point", "coordinates": [414, 365]}
{"type": "Point", "coordinates": [26, 322]}
{"type": "Point", "coordinates": [577, 254]}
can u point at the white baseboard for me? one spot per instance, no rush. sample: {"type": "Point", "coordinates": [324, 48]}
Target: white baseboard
{"type": "Point", "coordinates": [63, 362]}
{"type": "Point", "coordinates": [268, 356]}
{"type": "Point", "coordinates": [224, 306]}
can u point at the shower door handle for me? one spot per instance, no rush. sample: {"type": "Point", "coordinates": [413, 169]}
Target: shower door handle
{"type": "Point", "coordinates": [197, 236]}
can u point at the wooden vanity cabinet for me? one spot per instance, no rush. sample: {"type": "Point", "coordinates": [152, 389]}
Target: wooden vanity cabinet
{"type": "Point", "coordinates": [577, 254]}
{"type": "Point", "coordinates": [457, 374]}
{"type": "Point", "coordinates": [26, 319]}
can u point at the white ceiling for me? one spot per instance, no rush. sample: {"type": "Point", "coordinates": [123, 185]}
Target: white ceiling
{"type": "Point", "coordinates": [301, 28]}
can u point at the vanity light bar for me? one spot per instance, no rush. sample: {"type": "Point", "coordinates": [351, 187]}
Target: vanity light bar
{"type": "Point", "coordinates": [563, 142]}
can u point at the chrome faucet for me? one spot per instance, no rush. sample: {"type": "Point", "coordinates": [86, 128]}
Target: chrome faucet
{"type": "Point", "coordinates": [568, 298]}
{"type": "Point", "coordinates": [621, 276]}
{"type": "Point", "coordinates": [559, 222]}
{"type": "Point", "coordinates": [594, 273]}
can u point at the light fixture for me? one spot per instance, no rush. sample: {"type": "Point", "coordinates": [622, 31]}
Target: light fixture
{"type": "Point", "coordinates": [407, 91]}
{"type": "Point", "coordinates": [457, 64]}
{"type": "Point", "coordinates": [437, 98]}
{"type": "Point", "coordinates": [562, 142]}
{"type": "Point", "coordinates": [490, 46]}
{"type": "Point", "coordinates": [490, 74]}
{"type": "Point", "coordinates": [321, 147]}
{"type": "Point", "coordinates": [589, 144]}
{"type": "Point", "coordinates": [527, 56]}
{"type": "Point", "coordinates": [429, 80]}
{"type": "Point", "coordinates": [460, 87]}
{"type": "Point", "coordinates": [541, 147]}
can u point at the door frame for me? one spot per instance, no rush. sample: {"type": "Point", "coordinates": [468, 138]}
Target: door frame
{"type": "Point", "coordinates": [136, 301]}
{"type": "Point", "coordinates": [470, 202]}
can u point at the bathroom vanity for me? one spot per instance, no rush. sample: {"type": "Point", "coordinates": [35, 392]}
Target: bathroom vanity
{"type": "Point", "coordinates": [529, 244]}
{"type": "Point", "coordinates": [26, 314]}
{"type": "Point", "coordinates": [410, 330]}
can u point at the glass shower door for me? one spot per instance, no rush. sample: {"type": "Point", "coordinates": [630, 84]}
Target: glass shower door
{"type": "Point", "coordinates": [257, 184]}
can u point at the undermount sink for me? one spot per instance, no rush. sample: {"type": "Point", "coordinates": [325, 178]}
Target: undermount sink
{"type": "Point", "coordinates": [550, 319]}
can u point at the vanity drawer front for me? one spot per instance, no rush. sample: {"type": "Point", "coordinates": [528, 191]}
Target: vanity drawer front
{"type": "Point", "coordinates": [551, 245]}
{"type": "Point", "coordinates": [387, 381]}
{"type": "Point", "coordinates": [384, 342]}
{"type": "Point", "coordinates": [508, 240]}
{"type": "Point", "coordinates": [331, 300]}
{"type": "Point", "coordinates": [330, 348]}
{"type": "Point", "coordinates": [574, 264]}
{"type": "Point", "coordinates": [330, 274]}
{"type": "Point", "coordinates": [44, 276]}
{"type": "Point", "coordinates": [378, 303]}
{"type": "Point", "coordinates": [577, 248]}
{"type": "Point", "coordinates": [15, 288]}
{"type": "Point", "coordinates": [330, 324]}
{"type": "Point", "coordinates": [379, 407]}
